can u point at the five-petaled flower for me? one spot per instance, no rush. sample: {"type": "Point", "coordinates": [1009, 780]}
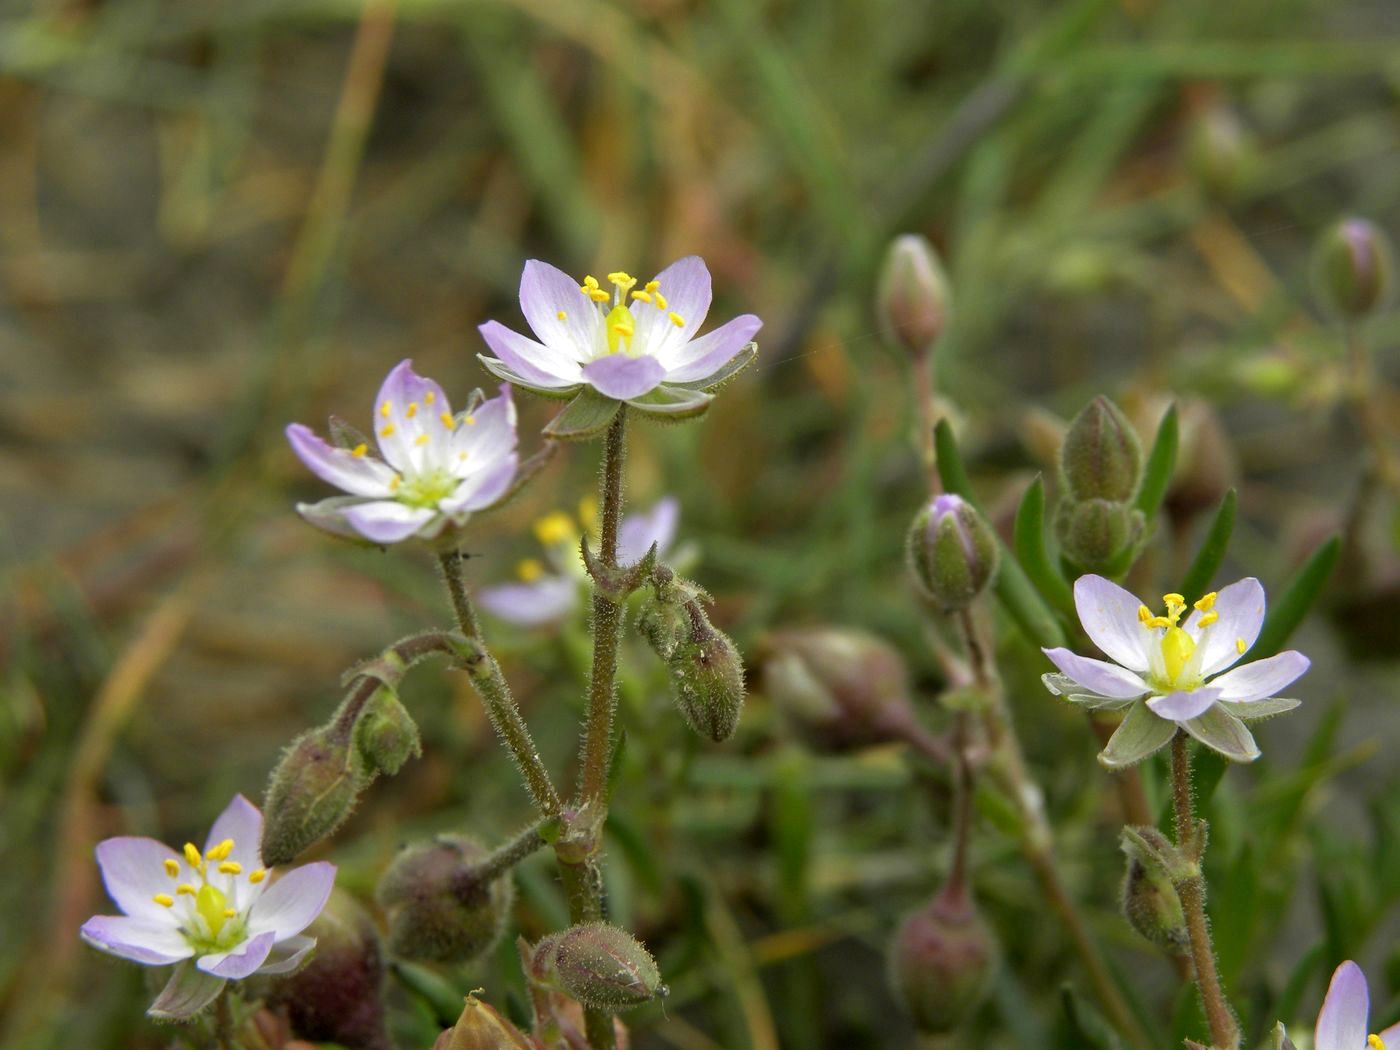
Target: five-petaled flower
{"type": "Point", "coordinates": [625, 343]}
{"type": "Point", "coordinates": [1167, 673]}
{"type": "Point", "coordinates": [215, 906]}
{"type": "Point", "coordinates": [437, 468]}
{"type": "Point", "coordinates": [1343, 1020]}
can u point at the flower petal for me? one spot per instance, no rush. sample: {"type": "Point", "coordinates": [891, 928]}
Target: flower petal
{"type": "Point", "coordinates": [1110, 617]}
{"type": "Point", "coordinates": [481, 489]}
{"type": "Point", "coordinates": [622, 376]}
{"type": "Point", "coordinates": [637, 532]}
{"type": "Point", "coordinates": [1224, 734]}
{"type": "Point", "coordinates": [1341, 1024]}
{"type": "Point", "coordinates": [1141, 734]}
{"type": "Point", "coordinates": [547, 291]}
{"type": "Point", "coordinates": [243, 823]}
{"type": "Point", "coordinates": [1255, 681]}
{"type": "Point", "coordinates": [685, 284]}
{"type": "Point", "coordinates": [408, 421]}
{"type": "Point", "coordinates": [1098, 676]}
{"type": "Point", "coordinates": [357, 475]}
{"type": "Point", "coordinates": [485, 436]}
{"type": "Point", "coordinates": [140, 940]}
{"type": "Point", "coordinates": [287, 955]}
{"type": "Point", "coordinates": [540, 601]}
{"type": "Point", "coordinates": [531, 361]}
{"type": "Point", "coordinates": [241, 961]}
{"type": "Point", "coordinates": [1184, 704]}
{"type": "Point", "coordinates": [1391, 1036]}
{"type": "Point", "coordinates": [1241, 609]}
{"type": "Point", "coordinates": [385, 521]}
{"type": "Point", "coordinates": [133, 870]}
{"type": "Point", "coordinates": [702, 357]}
{"type": "Point", "coordinates": [291, 903]}
{"type": "Point", "coordinates": [329, 515]}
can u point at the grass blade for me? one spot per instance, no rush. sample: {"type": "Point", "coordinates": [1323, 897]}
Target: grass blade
{"type": "Point", "coordinates": [1212, 550]}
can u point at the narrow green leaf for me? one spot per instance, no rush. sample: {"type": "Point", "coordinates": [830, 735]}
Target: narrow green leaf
{"type": "Point", "coordinates": [1298, 597]}
{"type": "Point", "coordinates": [1086, 1025]}
{"type": "Point", "coordinates": [586, 416]}
{"type": "Point", "coordinates": [1030, 550]}
{"type": "Point", "coordinates": [1212, 549]}
{"type": "Point", "coordinates": [1013, 589]}
{"type": "Point", "coordinates": [443, 998]}
{"type": "Point", "coordinates": [1157, 475]}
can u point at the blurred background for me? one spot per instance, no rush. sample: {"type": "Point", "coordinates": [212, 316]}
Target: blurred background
{"type": "Point", "coordinates": [220, 217]}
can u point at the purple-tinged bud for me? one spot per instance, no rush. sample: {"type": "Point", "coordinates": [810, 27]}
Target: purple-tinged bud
{"type": "Point", "coordinates": [1101, 457]}
{"type": "Point", "coordinates": [481, 1027]}
{"type": "Point", "coordinates": [438, 906]}
{"type": "Point", "coordinates": [337, 996]}
{"type": "Point", "coordinates": [942, 962]}
{"type": "Point", "coordinates": [1098, 535]}
{"type": "Point", "coordinates": [912, 299]}
{"type": "Point", "coordinates": [1150, 901]}
{"type": "Point", "coordinates": [952, 552]}
{"type": "Point", "coordinates": [1353, 268]}
{"type": "Point", "coordinates": [312, 792]}
{"type": "Point", "coordinates": [837, 688]}
{"type": "Point", "coordinates": [707, 676]}
{"type": "Point", "coordinates": [600, 965]}
{"type": "Point", "coordinates": [386, 734]}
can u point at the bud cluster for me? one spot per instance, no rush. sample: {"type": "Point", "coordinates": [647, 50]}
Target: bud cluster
{"type": "Point", "coordinates": [1101, 468]}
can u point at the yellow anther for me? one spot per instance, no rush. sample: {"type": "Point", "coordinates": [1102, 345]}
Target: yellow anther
{"type": "Point", "coordinates": [1144, 615]}
{"type": "Point", "coordinates": [1206, 602]}
{"type": "Point", "coordinates": [529, 570]}
{"type": "Point", "coordinates": [643, 296]}
{"type": "Point", "coordinates": [164, 900]}
{"type": "Point", "coordinates": [384, 409]}
{"type": "Point", "coordinates": [421, 439]}
{"type": "Point", "coordinates": [387, 431]}
{"type": "Point", "coordinates": [229, 913]}
{"type": "Point", "coordinates": [622, 280]}
{"type": "Point", "coordinates": [448, 421]}
{"type": "Point", "coordinates": [231, 867]}
{"type": "Point", "coordinates": [359, 450]}
{"type": "Point", "coordinates": [1173, 599]}
{"type": "Point", "coordinates": [1158, 621]}
{"type": "Point", "coordinates": [395, 483]}
{"type": "Point", "coordinates": [256, 876]}
{"type": "Point", "coordinates": [1208, 619]}
{"type": "Point", "coordinates": [185, 888]}
{"type": "Point", "coordinates": [430, 397]}
{"type": "Point", "coordinates": [621, 326]}
{"type": "Point", "coordinates": [676, 319]}
{"type": "Point", "coordinates": [1375, 1042]}
{"type": "Point", "coordinates": [412, 409]}
{"type": "Point", "coordinates": [192, 857]}
{"type": "Point", "coordinates": [598, 295]}
{"type": "Point", "coordinates": [469, 420]}
{"type": "Point", "coordinates": [562, 315]}
{"type": "Point", "coordinates": [221, 851]}
{"type": "Point", "coordinates": [652, 286]}
{"type": "Point", "coordinates": [172, 867]}
{"type": "Point", "coordinates": [1240, 647]}
{"type": "Point", "coordinates": [660, 300]}
{"type": "Point", "coordinates": [556, 528]}
{"type": "Point", "coordinates": [590, 283]}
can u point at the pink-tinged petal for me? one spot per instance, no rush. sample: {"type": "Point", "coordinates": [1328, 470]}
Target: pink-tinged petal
{"type": "Point", "coordinates": [242, 822]}
{"type": "Point", "coordinates": [1262, 678]}
{"type": "Point", "coordinates": [242, 961]}
{"type": "Point", "coordinates": [1184, 705]}
{"type": "Point", "coordinates": [486, 436]}
{"type": "Point", "coordinates": [481, 489]}
{"type": "Point", "coordinates": [1110, 617]}
{"type": "Point", "coordinates": [357, 475]}
{"type": "Point", "coordinates": [623, 376]}
{"type": "Point", "coordinates": [637, 532]}
{"type": "Point", "coordinates": [545, 600]}
{"type": "Point", "coordinates": [151, 943]}
{"type": "Point", "coordinates": [1241, 609]}
{"type": "Point", "coordinates": [287, 956]}
{"type": "Point", "coordinates": [1391, 1036]}
{"type": "Point", "coordinates": [686, 287]}
{"type": "Point", "coordinates": [385, 521]}
{"type": "Point", "coordinates": [290, 904]}
{"type": "Point", "coordinates": [707, 355]}
{"type": "Point", "coordinates": [133, 870]}
{"type": "Point", "coordinates": [546, 292]}
{"type": "Point", "coordinates": [1341, 1024]}
{"type": "Point", "coordinates": [1098, 676]}
{"type": "Point", "coordinates": [408, 420]}
{"type": "Point", "coordinates": [533, 362]}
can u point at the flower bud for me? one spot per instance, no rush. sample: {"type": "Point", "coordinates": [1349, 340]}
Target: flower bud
{"type": "Point", "coordinates": [1219, 150]}
{"type": "Point", "coordinates": [438, 906]}
{"type": "Point", "coordinates": [707, 675]}
{"type": "Point", "coordinates": [912, 299]}
{"type": "Point", "coordinates": [837, 687]}
{"type": "Point", "coordinates": [337, 996]}
{"type": "Point", "coordinates": [1353, 268]}
{"type": "Point", "coordinates": [311, 792]}
{"type": "Point", "coordinates": [1097, 535]}
{"type": "Point", "coordinates": [943, 960]}
{"type": "Point", "coordinates": [600, 965]}
{"type": "Point", "coordinates": [481, 1027]}
{"type": "Point", "coordinates": [1101, 457]}
{"type": "Point", "coordinates": [952, 552]}
{"type": "Point", "coordinates": [386, 734]}
{"type": "Point", "coordinates": [1278, 1038]}
{"type": "Point", "coordinates": [1150, 902]}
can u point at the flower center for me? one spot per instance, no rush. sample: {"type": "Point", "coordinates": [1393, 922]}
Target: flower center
{"type": "Point", "coordinates": [425, 490]}
{"type": "Point", "coordinates": [619, 322]}
{"type": "Point", "coordinates": [210, 917]}
{"type": "Point", "coordinates": [1177, 646]}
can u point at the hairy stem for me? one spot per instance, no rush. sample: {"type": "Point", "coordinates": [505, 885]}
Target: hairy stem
{"type": "Point", "coordinates": [451, 565]}
{"type": "Point", "coordinates": [512, 853]}
{"type": "Point", "coordinates": [1224, 1033]}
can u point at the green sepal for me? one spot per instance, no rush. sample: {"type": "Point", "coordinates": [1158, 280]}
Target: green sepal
{"type": "Point", "coordinates": [1161, 461]}
{"type": "Point", "coordinates": [1278, 1038]}
{"type": "Point", "coordinates": [1212, 550]}
{"type": "Point", "coordinates": [1254, 710]}
{"type": "Point", "coordinates": [501, 372]}
{"type": "Point", "coordinates": [667, 402]}
{"type": "Point", "coordinates": [1224, 734]}
{"type": "Point", "coordinates": [726, 371]}
{"type": "Point", "coordinates": [1141, 734]}
{"type": "Point", "coordinates": [188, 992]}
{"type": "Point", "coordinates": [583, 418]}
{"type": "Point", "coordinates": [1298, 597]}
{"type": "Point", "coordinates": [1031, 551]}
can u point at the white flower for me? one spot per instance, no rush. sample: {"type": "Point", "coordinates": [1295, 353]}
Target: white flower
{"type": "Point", "coordinates": [1342, 1021]}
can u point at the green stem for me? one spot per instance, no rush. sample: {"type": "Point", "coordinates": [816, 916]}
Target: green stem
{"type": "Point", "coordinates": [1224, 1033]}
{"type": "Point", "coordinates": [451, 564]}
{"type": "Point", "coordinates": [512, 853]}
{"type": "Point", "coordinates": [223, 1023]}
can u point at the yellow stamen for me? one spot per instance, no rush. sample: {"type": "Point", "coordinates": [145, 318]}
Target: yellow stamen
{"type": "Point", "coordinates": [164, 900]}
{"type": "Point", "coordinates": [211, 903]}
{"type": "Point", "coordinates": [395, 483]}
{"type": "Point", "coordinates": [359, 450]}
{"type": "Point", "coordinates": [529, 570]}
{"type": "Point", "coordinates": [676, 319]}
{"type": "Point", "coordinates": [257, 876]}
{"type": "Point", "coordinates": [1206, 602]}
{"type": "Point", "coordinates": [172, 867]}
{"type": "Point", "coordinates": [1158, 621]}
{"type": "Point", "coordinates": [1240, 647]}
{"type": "Point", "coordinates": [448, 421]}
{"type": "Point", "coordinates": [562, 315]}
{"type": "Point", "coordinates": [231, 867]}
{"type": "Point", "coordinates": [186, 889]}
{"type": "Point", "coordinates": [384, 409]}
{"type": "Point", "coordinates": [469, 420]}
{"type": "Point", "coordinates": [229, 913]}
{"type": "Point", "coordinates": [643, 296]}
{"type": "Point", "coordinates": [221, 851]}
{"type": "Point", "coordinates": [1375, 1042]}
{"type": "Point", "coordinates": [1173, 599]}
{"type": "Point", "coordinates": [412, 409]}
{"type": "Point", "coordinates": [590, 283]}
{"type": "Point", "coordinates": [1208, 619]}
{"type": "Point", "coordinates": [421, 439]}
{"type": "Point", "coordinates": [387, 431]}
{"type": "Point", "coordinates": [652, 286]}
{"type": "Point", "coordinates": [623, 281]}
{"type": "Point", "coordinates": [1144, 615]}
{"type": "Point", "coordinates": [660, 300]}
{"type": "Point", "coordinates": [430, 397]}
{"type": "Point", "coordinates": [192, 857]}
{"type": "Point", "coordinates": [556, 528]}
{"type": "Point", "coordinates": [599, 296]}
{"type": "Point", "coordinates": [1177, 648]}
{"type": "Point", "coordinates": [621, 326]}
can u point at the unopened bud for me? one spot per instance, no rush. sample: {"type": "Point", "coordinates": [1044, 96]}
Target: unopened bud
{"type": "Point", "coordinates": [337, 996]}
{"type": "Point", "coordinates": [837, 687]}
{"type": "Point", "coordinates": [481, 1027]}
{"type": "Point", "coordinates": [942, 962]}
{"type": "Point", "coordinates": [311, 793]}
{"type": "Point", "coordinates": [707, 675]}
{"type": "Point", "coordinates": [1101, 457]}
{"type": "Point", "coordinates": [912, 300]}
{"type": "Point", "coordinates": [600, 965]}
{"type": "Point", "coordinates": [1098, 535]}
{"type": "Point", "coordinates": [386, 734]}
{"type": "Point", "coordinates": [1219, 150]}
{"type": "Point", "coordinates": [1150, 902]}
{"type": "Point", "coordinates": [1353, 268]}
{"type": "Point", "coordinates": [952, 552]}
{"type": "Point", "coordinates": [438, 906]}
{"type": "Point", "coordinates": [1278, 1038]}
